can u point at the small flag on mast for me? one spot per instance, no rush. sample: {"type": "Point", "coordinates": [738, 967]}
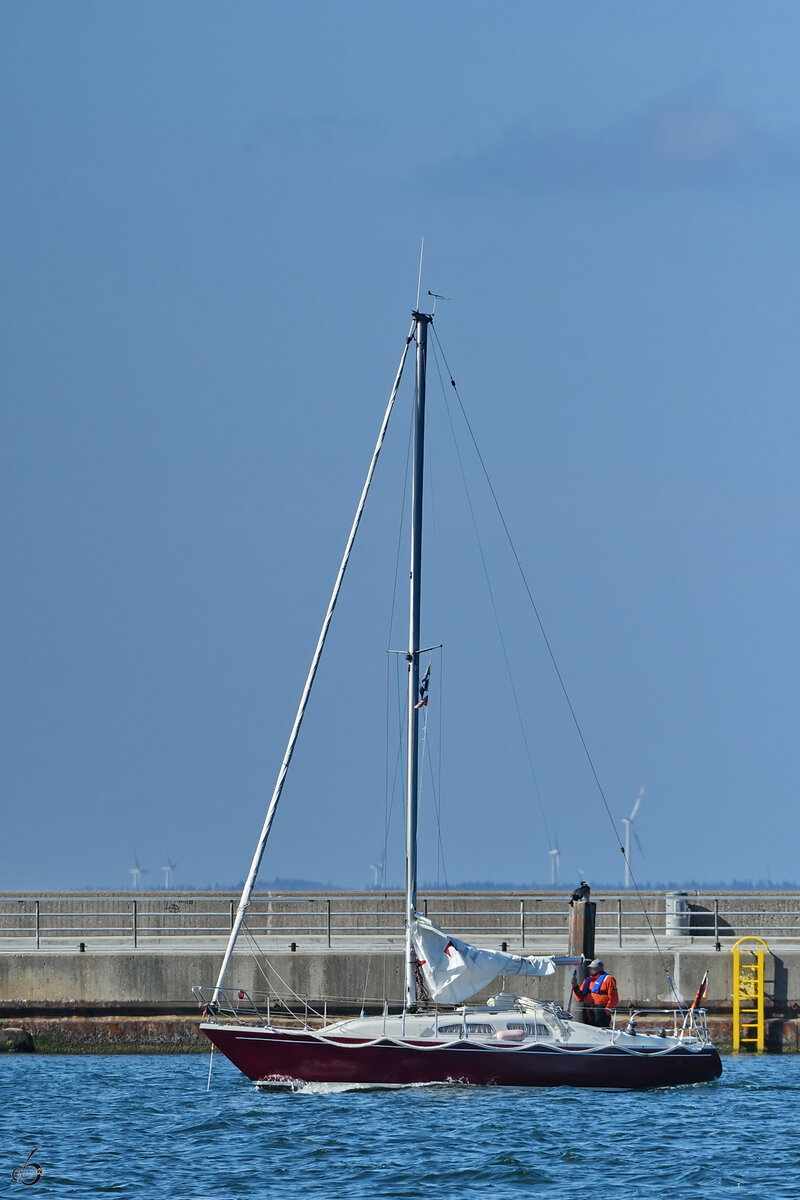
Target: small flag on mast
{"type": "Point", "coordinates": [423, 690]}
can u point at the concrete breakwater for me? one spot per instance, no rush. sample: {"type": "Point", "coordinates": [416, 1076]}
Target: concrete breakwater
{"type": "Point", "coordinates": [134, 999]}
{"type": "Point", "coordinates": [114, 972]}
{"type": "Point", "coordinates": [147, 982]}
{"type": "Point", "coordinates": [101, 1034]}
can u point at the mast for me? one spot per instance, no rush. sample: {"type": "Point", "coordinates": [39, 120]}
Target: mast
{"type": "Point", "coordinates": [421, 322]}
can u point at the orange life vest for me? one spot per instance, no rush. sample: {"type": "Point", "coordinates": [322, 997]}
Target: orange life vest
{"type": "Point", "coordinates": [600, 990]}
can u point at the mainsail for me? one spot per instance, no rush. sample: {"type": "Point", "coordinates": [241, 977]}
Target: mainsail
{"type": "Point", "coordinates": [454, 970]}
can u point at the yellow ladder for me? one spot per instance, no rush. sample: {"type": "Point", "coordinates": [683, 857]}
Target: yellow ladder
{"type": "Point", "coordinates": [748, 995]}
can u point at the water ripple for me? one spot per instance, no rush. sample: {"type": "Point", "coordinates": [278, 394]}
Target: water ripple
{"type": "Point", "coordinates": [147, 1127]}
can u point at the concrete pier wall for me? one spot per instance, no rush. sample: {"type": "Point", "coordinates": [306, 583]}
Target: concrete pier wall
{"type": "Point", "coordinates": [163, 980]}
{"type": "Point", "coordinates": [143, 952]}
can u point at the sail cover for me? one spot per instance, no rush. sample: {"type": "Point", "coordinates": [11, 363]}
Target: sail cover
{"type": "Point", "coordinates": [455, 970]}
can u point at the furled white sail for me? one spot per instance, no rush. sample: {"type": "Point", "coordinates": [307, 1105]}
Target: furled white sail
{"type": "Point", "coordinates": [454, 970]}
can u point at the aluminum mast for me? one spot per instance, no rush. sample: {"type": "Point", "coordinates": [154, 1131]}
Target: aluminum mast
{"type": "Point", "coordinates": [422, 321]}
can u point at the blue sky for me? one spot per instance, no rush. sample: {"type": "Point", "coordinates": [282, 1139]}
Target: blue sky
{"type": "Point", "coordinates": [211, 217]}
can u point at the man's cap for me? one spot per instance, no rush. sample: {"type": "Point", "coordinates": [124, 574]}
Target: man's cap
{"type": "Point", "coordinates": [596, 965]}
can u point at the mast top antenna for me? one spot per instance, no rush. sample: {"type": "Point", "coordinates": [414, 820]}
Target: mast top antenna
{"type": "Point", "coordinates": [419, 276]}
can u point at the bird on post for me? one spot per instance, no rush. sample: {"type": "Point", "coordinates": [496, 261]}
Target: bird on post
{"type": "Point", "coordinates": [581, 893]}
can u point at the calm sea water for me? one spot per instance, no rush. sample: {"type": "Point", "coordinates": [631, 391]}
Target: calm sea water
{"type": "Point", "coordinates": [146, 1127]}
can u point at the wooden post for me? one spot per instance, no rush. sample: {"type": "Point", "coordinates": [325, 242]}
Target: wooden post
{"type": "Point", "coordinates": [582, 918]}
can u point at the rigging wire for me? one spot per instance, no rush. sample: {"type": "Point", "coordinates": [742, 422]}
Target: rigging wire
{"type": "Point", "coordinates": [252, 875]}
{"type": "Point", "coordinates": [427, 759]}
{"type": "Point", "coordinates": [260, 957]}
{"type": "Point", "coordinates": [244, 902]}
{"type": "Point", "coordinates": [551, 654]}
{"type": "Point", "coordinates": [436, 784]}
{"type": "Point", "coordinates": [529, 593]}
{"type": "Point", "coordinates": [492, 600]}
{"type": "Point", "coordinates": [391, 792]}
{"type": "Point", "coordinates": [431, 493]}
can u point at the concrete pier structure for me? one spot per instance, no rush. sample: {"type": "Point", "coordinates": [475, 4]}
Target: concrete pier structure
{"type": "Point", "coordinates": [103, 956]}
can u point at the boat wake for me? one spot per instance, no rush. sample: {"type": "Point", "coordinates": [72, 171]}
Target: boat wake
{"type": "Point", "coordinates": [284, 1084]}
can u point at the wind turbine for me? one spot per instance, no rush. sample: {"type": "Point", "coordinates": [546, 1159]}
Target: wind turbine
{"type": "Point", "coordinates": [376, 869]}
{"type": "Point", "coordinates": [554, 858]}
{"type": "Point", "coordinates": [168, 869]}
{"type": "Point", "coordinates": [135, 872]}
{"type": "Point", "coordinates": [628, 823]}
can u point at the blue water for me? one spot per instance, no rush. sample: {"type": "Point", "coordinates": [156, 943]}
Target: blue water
{"type": "Point", "coordinates": [147, 1127]}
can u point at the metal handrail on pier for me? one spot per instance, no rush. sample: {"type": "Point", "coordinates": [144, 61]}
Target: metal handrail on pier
{"type": "Point", "coordinates": [339, 919]}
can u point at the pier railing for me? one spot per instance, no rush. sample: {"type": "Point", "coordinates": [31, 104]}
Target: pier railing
{"type": "Point", "coordinates": [529, 920]}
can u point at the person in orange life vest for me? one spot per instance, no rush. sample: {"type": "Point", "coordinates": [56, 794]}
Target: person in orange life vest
{"type": "Point", "coordinates": [598, 994]}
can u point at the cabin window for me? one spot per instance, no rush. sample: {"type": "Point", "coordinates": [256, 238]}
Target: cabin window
{"type": "Point", "coordinates": [473, 1027]}
{"type": "Point", "coordinates": [532, 1028]}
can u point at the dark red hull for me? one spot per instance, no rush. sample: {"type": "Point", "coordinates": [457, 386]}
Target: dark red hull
{"type": "Point", "coordinates": [281, 1057]}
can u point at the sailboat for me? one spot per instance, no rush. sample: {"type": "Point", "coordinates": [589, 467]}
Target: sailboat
{"type": "Point", "coordinates": [436, 1036]}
